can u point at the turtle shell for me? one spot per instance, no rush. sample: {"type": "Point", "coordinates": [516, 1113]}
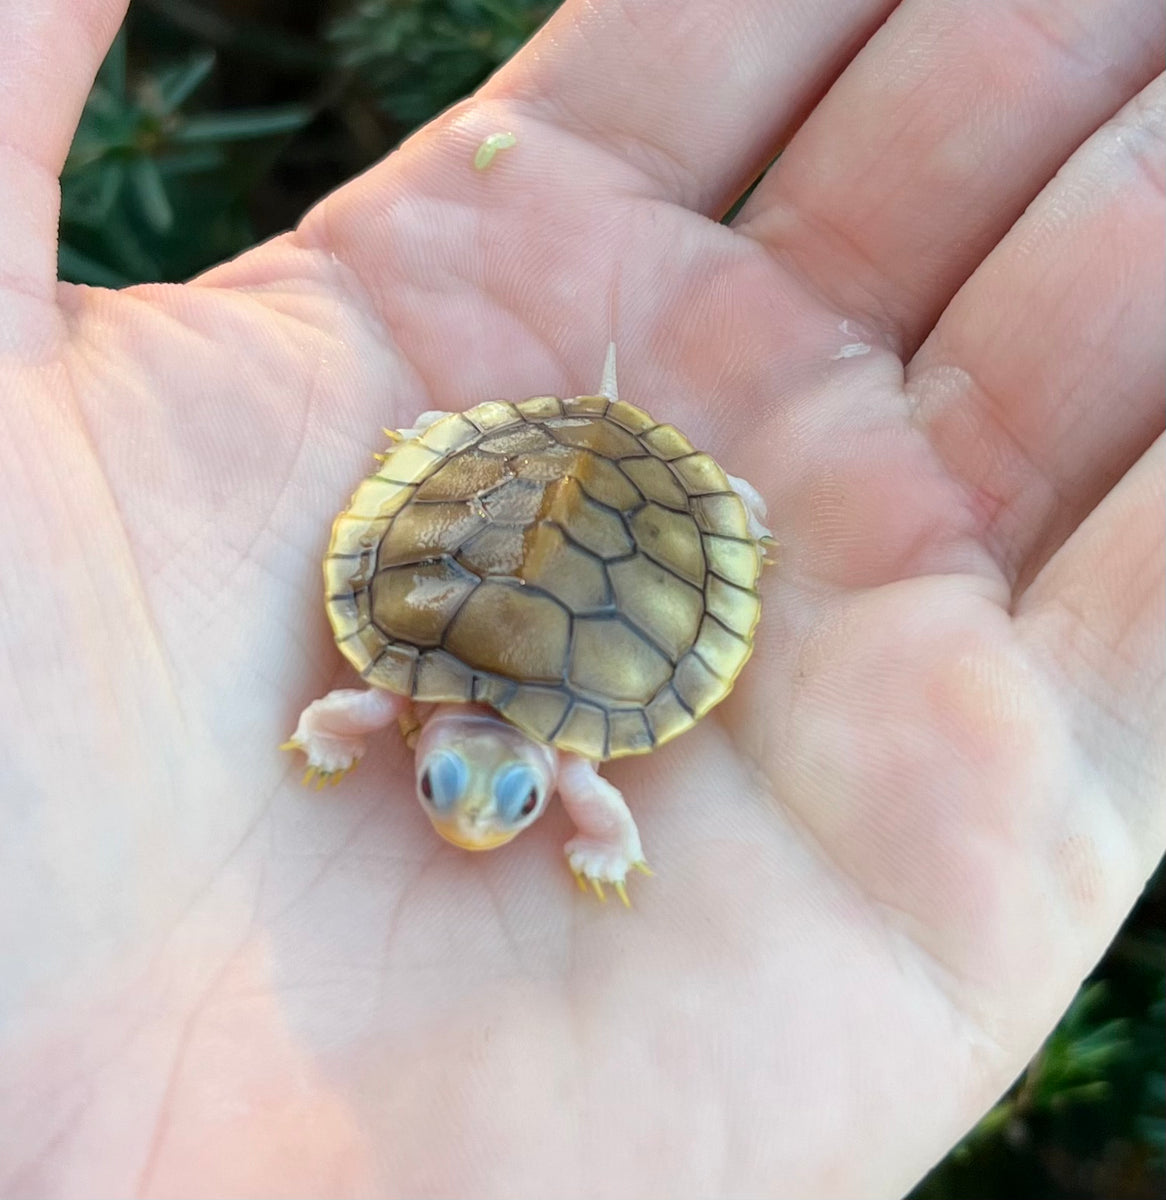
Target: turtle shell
{"type": "Point", "coordinates": [573, 564]}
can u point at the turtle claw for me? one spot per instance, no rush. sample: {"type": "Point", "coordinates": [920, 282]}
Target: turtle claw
{"type": "Point", "coordinates": [325, 778]}
{"type": "Point", "coordinates": [317, 775]}
{"type": "Point", "coordinates": [594, 884]}
{"type": "Point", "coordinates": [588, 884]}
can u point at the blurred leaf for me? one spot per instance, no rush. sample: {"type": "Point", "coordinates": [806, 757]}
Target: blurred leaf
{"type": "Point", "coordinates": [80, 268]}
{"type": "Point", "coordinates": [174, 85]}
{"type": "Point", "coordinates": [191, 162]}
{"type": "Point", "coordinates": [1096, 1050]}
{"type": "Point", "coordinates": [111, 76]}
{"type": "Point", "coordinates": [126, 249]}
{"type": "Point", "coordinates": [151, 193]}
{"type": "Point", "coordinates": [88, 197]}
{"type": "Point", "coordinates": [1081, 1093]}
{"type": "Point", "coordinates": [241, 124]}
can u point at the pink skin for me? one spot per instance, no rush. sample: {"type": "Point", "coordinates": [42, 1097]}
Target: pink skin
{"type": "Point", "coordinates": [933, 339]}
{"type": "Point", "coordinates": [332, 730]}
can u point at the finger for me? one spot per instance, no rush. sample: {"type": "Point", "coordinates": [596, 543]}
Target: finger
{"type": "Point", "coordinates": [1093, 616]}
{"type": "Point", "coordinates": [1043, 380]}
{"type": "Point", "coordinates": [696, 94]}
{"type": "Point", "coordinates": [49, 55]}
{"type": "Point", "coordinates": [928, 148]}
{"type": "Point", "coordinates": [693, 95]}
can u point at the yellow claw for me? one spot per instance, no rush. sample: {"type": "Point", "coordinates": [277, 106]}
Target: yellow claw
{"type": "Point", "coordinates": [392, 435]}
{"type": "Point", "coordinates": [409, 726]}
{"type": "Point", "coordinates": [322, 779]}
{"type": "Point", "coordinates": [643, 868]}
{"type": "Point", "coordinates": [290, 744]}
{"type": "Point", "coordinates": [380, 457]}
{"type": "Point", "coordinates": [587, 883]}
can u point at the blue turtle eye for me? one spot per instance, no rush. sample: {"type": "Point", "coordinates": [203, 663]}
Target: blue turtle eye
{"type": "Point", "coordinates": [444, 779]}
{"type": "Point", "coordinates": [516, 791]}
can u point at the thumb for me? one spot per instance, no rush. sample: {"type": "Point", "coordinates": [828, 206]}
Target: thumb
{"type": "Point", "coordinates": [49, 53]}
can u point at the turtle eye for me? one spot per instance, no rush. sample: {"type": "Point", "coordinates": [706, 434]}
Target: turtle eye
{"type": "Point", "coordinates": [516, 791]}
{"type": "Point", "coordinates": [444, 779]}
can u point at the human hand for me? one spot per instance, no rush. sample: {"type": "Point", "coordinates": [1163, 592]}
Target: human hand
{"type": "Point", "coordinates": [884, 864]}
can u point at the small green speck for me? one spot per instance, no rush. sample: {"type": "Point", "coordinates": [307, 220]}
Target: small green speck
{"type": "Point", "coordinates": [484, 155]}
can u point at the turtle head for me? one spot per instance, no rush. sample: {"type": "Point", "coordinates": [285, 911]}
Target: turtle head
{"type": "Point", "coordinates": [480, 780]}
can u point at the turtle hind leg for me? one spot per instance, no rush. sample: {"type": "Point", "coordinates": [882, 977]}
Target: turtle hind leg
{"type": "Point", "coordinates": [420, 424]}
{"type": "Point", "coordinates": [331, 731]}
{"type": "Point", "coordinates": [606, 845]}
{"type": "Point", "coordinates": [755, 511]}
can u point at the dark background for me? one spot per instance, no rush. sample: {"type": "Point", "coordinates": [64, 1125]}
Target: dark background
{"type": "Point", "coordinates": [216, 123]}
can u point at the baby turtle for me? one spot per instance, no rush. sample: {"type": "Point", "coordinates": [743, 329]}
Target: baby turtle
{"type": "Point", "coordinates": [532, 589]}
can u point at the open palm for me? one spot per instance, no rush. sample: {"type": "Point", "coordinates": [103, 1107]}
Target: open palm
{"type": "Point", "coordinates": [883, 864]}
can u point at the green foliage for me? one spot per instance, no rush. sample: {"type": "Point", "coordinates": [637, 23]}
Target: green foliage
{"type": "Point", "coordinates": [148, 191]}
{"type": "Point", "coordinates": [159, 186]}
{"type": "Point", "coordinates": [418, 56]}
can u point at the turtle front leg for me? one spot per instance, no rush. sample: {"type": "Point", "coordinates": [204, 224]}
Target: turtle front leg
{"type": "Point", "coordinates": [331, 730]}
{"type": "Point", "coordinates": [607, 844]}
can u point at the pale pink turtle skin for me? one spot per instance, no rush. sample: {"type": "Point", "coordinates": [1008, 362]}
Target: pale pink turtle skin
{"type": "Point", "coordinates": [480, 780]}
{"type": "Point", "coordinates": [332, 732]}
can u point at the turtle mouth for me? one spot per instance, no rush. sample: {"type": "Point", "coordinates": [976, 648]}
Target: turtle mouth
{"type": "Point", "coordinates": [466, 840]}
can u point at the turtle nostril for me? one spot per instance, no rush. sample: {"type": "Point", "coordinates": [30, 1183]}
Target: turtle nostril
{"type": "Point", "coordinates": [426, 786]}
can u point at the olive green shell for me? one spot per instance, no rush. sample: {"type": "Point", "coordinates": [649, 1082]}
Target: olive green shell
{"type": "Point", "coordinates": [571, 563]}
